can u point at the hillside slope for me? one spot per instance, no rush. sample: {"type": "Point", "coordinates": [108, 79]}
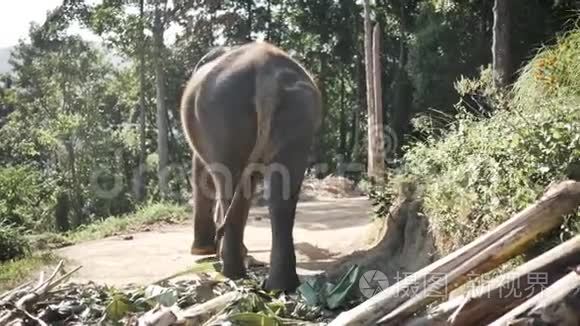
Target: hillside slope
{"type": "Point", "coordinates": [489, 166]}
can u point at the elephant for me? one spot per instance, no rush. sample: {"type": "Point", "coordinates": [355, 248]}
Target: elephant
{"type": "Point", "coordinates": [249, 113]}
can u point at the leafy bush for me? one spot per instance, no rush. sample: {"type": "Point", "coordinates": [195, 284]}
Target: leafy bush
{"type": "Point", "coordinates": [13, 244]}
{"type": "Point", "coordinates": [483, 170]}
{"type": "Point", "coordinates": [25, 196]}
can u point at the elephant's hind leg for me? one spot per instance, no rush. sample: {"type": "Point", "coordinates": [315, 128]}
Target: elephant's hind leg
{"type": "Point", "coordinates": [285, 180]}
{"type": "Point", "coordinates": [233, 251]}
{"type": "Point", "coordinates": [203, 203]}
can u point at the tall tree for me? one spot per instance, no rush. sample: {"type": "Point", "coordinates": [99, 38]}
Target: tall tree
{"type": "Point", "coordinates": [502, 65]}
{"type": "Point", "coordinates": [375, 164]}
{"type": "Point", "coordinates": [159, 27]}
{"type": "Point", "coordinates": [140, 180]}
{"type": "Point", "coordinates": [402, 96]}
{"type": "Point", "coordinates": [378, 131]}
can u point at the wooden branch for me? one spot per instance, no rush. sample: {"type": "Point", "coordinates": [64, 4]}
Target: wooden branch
{"type": "Point", "coordinates": [6, 316]}
{"type": "Point", "coordinates": [199, 314]}
{"type": "Point", "coordinates": [488, 302]}
{"type": "Point", "coordinates": [11, 294]}
{"type": "Point", "coordinates": [61, 279]}
{"type": "Point", "coordinates": [482, 255]}
{"type": "Point", "coordinates": [43, 287]}
{"type": "Point", "coordinates": [557, 305]}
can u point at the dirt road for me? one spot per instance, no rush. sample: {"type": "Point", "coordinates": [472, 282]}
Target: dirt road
{"type": "Point", "coordinates": [324, 230]}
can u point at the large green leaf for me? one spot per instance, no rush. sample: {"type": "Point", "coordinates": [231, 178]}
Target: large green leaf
{"type": "Point", "coordinates": [321, 293]}
{"type": "Point", "coordinates": [339, 293]}
{"type": "Point", "coordinates": [118, 307]}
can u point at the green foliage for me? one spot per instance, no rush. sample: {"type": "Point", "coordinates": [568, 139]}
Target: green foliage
{"type": "Point", "coordinates": [320, 293]}
{"type": "Point", "coordinates": [26, 196]}
{"type": "Point", "coordinates": [13, 244]}
{"type": "Point", "coordinates": [119, 305]}
{"type": "Point", "coordinates": [447, 43]}
{"type": "Point", "coordinates": [482, 171]}
{"type": "Point", "coordinates": [69, 118]}
{"type": "Point", "coordinates": [14, 272]}
{"type": "Point", "coordinates": [382, 199]}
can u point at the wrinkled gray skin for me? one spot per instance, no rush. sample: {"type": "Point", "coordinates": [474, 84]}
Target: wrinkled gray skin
{"type": "Point", "coordinates": [251, 104]}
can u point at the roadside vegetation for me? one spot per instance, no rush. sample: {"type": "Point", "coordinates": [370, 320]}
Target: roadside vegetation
{"type": "Point", "coordinates": [489, 165]}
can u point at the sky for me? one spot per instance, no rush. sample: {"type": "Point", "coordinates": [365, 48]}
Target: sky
{"type": "Point", "coordinates": [16, 16]}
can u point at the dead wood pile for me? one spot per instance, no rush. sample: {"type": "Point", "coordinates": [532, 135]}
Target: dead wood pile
{"type": "Point", "coordinates": [543, 291]}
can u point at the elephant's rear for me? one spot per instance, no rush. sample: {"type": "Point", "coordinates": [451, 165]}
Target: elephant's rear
{"type": "Point", "coordinates": [253, 104]}
{"type": "Point", "coordinates": [256, 91]}
{"type": "Point", "coordinates": [299, 111]}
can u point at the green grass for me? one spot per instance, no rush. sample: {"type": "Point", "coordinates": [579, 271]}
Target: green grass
{"type": "Point", "coordinates": [137, 221]}
{"type": "Point", "coordinates": [13, 273]}
{"type": "Point", "coordinates": [146, 216]}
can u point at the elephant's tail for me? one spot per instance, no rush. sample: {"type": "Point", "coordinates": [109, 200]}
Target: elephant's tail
{"type": "Point", "coordinates": [267, 88]}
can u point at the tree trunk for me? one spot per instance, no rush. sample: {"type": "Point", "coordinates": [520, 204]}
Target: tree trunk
{"type": "Point", "coordinates": [502, 69]}
{"type": "Point", "coordinates": [322, 81]}
{"type": "Point", "coordinates": [354, 145]}
{"type": "Point", "coordinates": [61, 211]}
{"type": "Point", "coordinates": [400, 110]}
{"type": "Point", "coordinates": [162, 127]}
{"type": "Point", "coordinates": [250, 18]}
{"type": "Point", "coordinates": [269, 13]}
{"type": "Point", "coordinates": [371, 120]}
{"type": "Point", "coordinates": [75, 191]}
{"type": "Point", "coordinates": [140, 181]}
{"type": "Point", "coordinates": [342, 118]}
{"type": "Point", "coordinates": [379, 142]}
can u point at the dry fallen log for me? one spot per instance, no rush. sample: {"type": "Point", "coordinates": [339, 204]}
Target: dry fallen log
{"type": "Point", "coordinates": [557, 305]}
{"type": "Point", "coordinates": [488, 302]}
{"type": "Point", "coordinates": [509, 239]}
